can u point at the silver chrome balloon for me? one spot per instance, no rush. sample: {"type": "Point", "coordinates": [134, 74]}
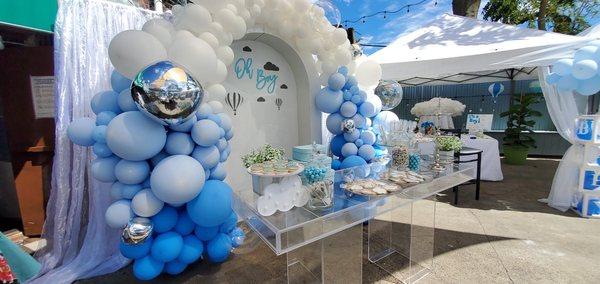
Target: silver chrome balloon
{"type": "Point", "coordinates": [137, 230]}
{"type": "Point", "coordinates": [166, 93]}
{"type": "Point", "coordinates": [390, 93]}
{"type": "Point", "coordinates": [348, 126]}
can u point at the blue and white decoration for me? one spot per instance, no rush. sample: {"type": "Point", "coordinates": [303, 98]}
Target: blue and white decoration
{"type": "Point", "coordinates": [579, 74]}
{"type": "Point", "coordinates": [587, 199]}
{"type": "Point", "coordinates": [495, 89]}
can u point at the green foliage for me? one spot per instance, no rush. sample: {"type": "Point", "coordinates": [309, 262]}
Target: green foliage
{"type": "Point", "coordinates": [563, 16]}
{"type": "Point", "coordinates": [520, 120]}
{"type": "Point", "coordinates": [448, 143]}
{"type": "Point", "coordinates": [264, 154]}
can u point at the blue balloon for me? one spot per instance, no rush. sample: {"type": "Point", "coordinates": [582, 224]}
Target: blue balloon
{"type": "Point", "coordinates": [125, 101]}
{"type": "Point", "coordinates": [336, 81]}
{"type": "Point", "coordinates": [105, 117]}
{"type": "Point", "coordinates": [368, 137]}
{"type": "Point", "coordinates": [179, 143]}
{"type": "Point", "coordinates": [585, 69]}
{"type": "Point", "coordinates": [367, 109]}
{"type": "Point", "coordinates": [177, 179]}
{"type": "Point", "coordinates": [99, 133]}
{"type": "Point", "coordinates": [589, 87]}
{"type": "Point", "coordinates": [222, 144]}
{"type": "Point", "coordinates": [355, 90]}
{"type": "Point", "coordinates": [336, 145]}
{"type": "Point", "coordinates": [207, 156]}
{"type": "Point", "coordinates": [359, 142]}
{"type": "Point", "coordinates": [343, 70]}
{"type": "Point", "coordinates": [585, 53]}
{"type": "Point", "coordinates": [349, 149]}
{"type": "Point", "coordinates": [334, 123]}
{"type": "Point", "coordinates": [224, 156]}
{"type": "Point", "coordinates": [103, 169]}
{"type": "Point", "coordinates": [128, 191]}
{"type": "Point", "coordinates": [347, 95]}
{"type": "Point", "coordinates": [348, 109]}
{"type": "Point", "coordinates": [229, 135]}
{"type": "Point", "coordinates": [329, 101]}
{"type": "Point", "coordinates": [212, 206]}
{"type": "Point", "coordinates": [229, 224]}
{"type": "Point", "coordinates": [81, 130]}
{"type": "Point", "coordinates": [174, 267]}
{"type": "Point", "coordinates": [552, 78]}
{"type": "Point", "coordinates": [206, 233]}
{"type": "Point", "coordinates": [336, 164]}
{"type": "Point", "coordinates": [192, 249]}
{"type": "Point", "coordinates": [116, 191]}
{"type": "Point", "coordinates": [203, 111]}
{"type": "Point", "coordinates": [135, 251]}
{"type": "Point", "coordinates": [119, 82]}
{"type": "Point", "coordinates": [567, 83]}
{"type": "Point", "coordinates": [350, 82]}
{"type": "Point", "coordinates": [165, 219]}
{"type": "Point", "coordinates": [135, 137]}
{"type": "Point", "coordinates": [185, 126]}
{"type": "Point", "coordinates": [226, 122]}
{"type": "Point", "coordinates": [563, 66]}
{"type": "Point", "coordinates": [359, 121]}
{"type": "Point", "coordinates": [105, 101]}
{"type": "Point", "coordinates": [166, 246]}
{"type": "Point", "coordinates": [146, 183]}
{"type": "Point", "coordinates": [215, 118]}
{"type": "Point", "coordinates": [356, 99]}
{"type": "Point", "coordinates": [352, 136]}
{"type": "Point", "coordinates": [158, 158]}
{"type": "Point", "coordinates": [147, 268]}
{"type": "Point", "coordinates": [366, 152]}
{"type": "Point", "coordinates": [130, 172]}
{"type": "Point", "coordinates": [218, 173]}
{"type": "Point", "coordinates": [218, 248]}
{"type": "Point", "coordinates": [352, 161]}
{"type": "Point", "coordinates": [118, 214]}
{"type": "Point", "coordinates": [184, 225]}
{"type": "Point", "coordinates": [101, 150]}
{"type": "Point", "coordinates": [206, 132]}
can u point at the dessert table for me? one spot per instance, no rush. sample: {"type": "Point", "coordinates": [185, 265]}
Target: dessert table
{"type": "Point", "coordinates": [327, 246]}
{"type": "Point", "coordinates": [491, 169]}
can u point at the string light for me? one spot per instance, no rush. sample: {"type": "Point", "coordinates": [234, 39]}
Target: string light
{"type": "Point", "coordinates": [363, 19]}
{"type": "Point", "coordinates": [408, 9]}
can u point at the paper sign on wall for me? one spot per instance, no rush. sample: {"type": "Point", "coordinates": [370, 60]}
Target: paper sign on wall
{"type": "Point", "coordinates": [479, 122]}
{"type": "Point", "coordinates": [42, 93]}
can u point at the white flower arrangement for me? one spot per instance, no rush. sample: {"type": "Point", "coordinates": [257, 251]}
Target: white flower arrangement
{"type": "Point", "coordinates": [435, 105]}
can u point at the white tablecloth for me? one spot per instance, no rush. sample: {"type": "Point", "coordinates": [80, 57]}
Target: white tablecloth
{"type": "Point", "coordinates": [490, 157]}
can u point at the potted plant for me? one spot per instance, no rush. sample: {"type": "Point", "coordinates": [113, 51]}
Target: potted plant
{"type": "Point", "coordinates": [447, 146]}
{"type": "Point", "coordinates": [517, 142]}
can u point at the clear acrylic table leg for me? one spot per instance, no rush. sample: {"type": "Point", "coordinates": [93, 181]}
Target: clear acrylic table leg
{"type": "Point", "coordinates": [334, 259]}
{"type": "Point", "coordinates": [401, 241]}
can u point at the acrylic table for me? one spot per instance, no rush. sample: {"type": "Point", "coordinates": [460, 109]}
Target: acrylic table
{"type": "Point", "coordinates": [327, 246]}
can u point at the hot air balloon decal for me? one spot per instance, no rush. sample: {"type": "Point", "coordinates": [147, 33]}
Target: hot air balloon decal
{"type": "Point", "coordinates": [496, 89]}
{"type": "Point", "coordinates": [278, 103]}
{"type": "Point", "coordinates": [234, 100]}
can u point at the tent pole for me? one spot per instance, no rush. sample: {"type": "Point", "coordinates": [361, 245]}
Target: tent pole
{"type": "Point", "coordinates": [511, 76]}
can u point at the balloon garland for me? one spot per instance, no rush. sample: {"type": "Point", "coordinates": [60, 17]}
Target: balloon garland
{"type": "Point", "coordinates": [580, 74]}
{"type": "Point", "coordinates": [160, 136]}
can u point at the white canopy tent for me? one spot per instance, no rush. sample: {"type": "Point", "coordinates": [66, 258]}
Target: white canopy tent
{"type": "Point", "coordinates": [454, 50]}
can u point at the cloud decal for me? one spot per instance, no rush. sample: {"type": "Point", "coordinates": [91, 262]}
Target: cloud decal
{"type": "Point", "coordinates": [283, 86]}
{"type": "Point", "coordinates": [260, 100]}
{"type": "Point", "coordinates": [247, 49]}
{"type": "Point", "coordinates": [270, 66]}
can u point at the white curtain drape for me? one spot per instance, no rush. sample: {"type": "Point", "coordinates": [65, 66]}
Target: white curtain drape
{"type": "Point", "coordinates": [563, 109]}
{"type": "Point", "coordinates": [80, 245]}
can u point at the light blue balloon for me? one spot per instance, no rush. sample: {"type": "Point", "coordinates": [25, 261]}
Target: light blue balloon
{"type": "Point", "coordinates": [118, 214]}
{"type": "Point", "coordinates": [348, 109]}
{"type": "Point", "coordinates": [366, 152]}
{"type": "Point", "coordinates": [179, 143]}
{"type": "Point", "coordinates": [584, 69]}
{"type": "Point", "coordinates": [224, 156]}
{"type": "Point", "coordinates": [135, 137]}
{"type": "Point", "coordinates": [165, 219]}
{"type": "Point", "coordinates": [99, 133]}
{"type": "Point", "coordinates": [355, 90]}
{"type": "Point", "coordinates": [352, 161]}
{"type": "Point", "coordinates": [192, 249]}
{"type": "Point", "coordinates": [186, 126]}
{"type": "Point", "coordinates": [203, 111]}
{"type": "Point", "coordinates": [222, 133]}
{"type": "Point", "coordinates": [128, 191]}
{"type": "Point", "coordinates": [119, 82]}
{"type": "Point", "coordinates": [177, 179]}
{"type": "Point", "coordinates": [343, 70]}
{"type": "Point", "coordinates": [116, 191]}
{"type": "Point", "coordinates": [226, 122]}
{"type": "Point", "coordinates": [101, 150]}
{"type": "Point", "coordinates": [336, 81]}
{"type": "Point", "coordinates": [349, 149]}
{"type": "Point", "coordinates": [337, 142]}
{"type": "Point", "coordinates": [585, 53]}
{"type": "Point", "coordinates": [352, 136]}
{"type": "Point", "coordinates": [166, 246]}
{"type": "Point", "coordinates": [368, 137]}
{"type": "Point", "coordinates": [350, 82]}
{"type": "Point", "coordinates": [125, 101]}
{"type": "Point", "coordinates": [567, 83]}
{"type": "Point", "coordinates": [206, 132]}
{"type": "Point", "coordinates": [334, 123]}
{"type": "Point", "coordinates": [105, 101]}
{"type": "Point", "coordinates": [174, 267]}
{"type": "Point", "coordinates": [147, 268]}
{"type": "Point", "coordinates": [359, 142]}
{"type": "Point", "coordinates": [81, 131]}
{"type": "Point", "coordinates": [347, 95]}
{"type": "Point", "coordinates": [206, 233]}
{"type": "Point", "coordinates": [359, 121]}
{"type": "Point", "coordinates": [589, 87]}
{"type": "Point", "coordinates": [135, 251]}
{"type": "Point", "coordinates": [218, 248]}
{"type": "Point", "coordinates": [329, 101]}
{"type": "Point", "coordinates": [218, 173]}
{"type": "Point", "coordinates": [563, 66]}
{"type": "Point", "coordinates": [222, 144]}
{"type": "Point", "coordinates": [212, 206]}
{"type": "Point", "coordinates": [367, 109]}
{"type": "Point", "coordinates": [103, 169]}
{"type": "Point", "coordinates": [229, 135]}
{"type": "Point", "coordinates": [185, 225]}
{"type": "Point", "coordinates": [207, 156]}
{"type": "Point", "coordinates": [215, 118]}
{"type": "Point", "coordinates": [105, 117]}
{"type": "Point", "coordinates": [552, 78]}
{"type": "Point", "coordinates": [132, 172]}
{"type": "Point", "coordinates": [356, 99]}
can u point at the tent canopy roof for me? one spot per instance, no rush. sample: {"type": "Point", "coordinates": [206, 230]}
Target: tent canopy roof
{"type": "Point", "coordinates": [451, 45]}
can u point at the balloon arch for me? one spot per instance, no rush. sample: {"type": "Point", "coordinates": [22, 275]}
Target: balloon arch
{"type": "Point", "coordinates": [161, 136]}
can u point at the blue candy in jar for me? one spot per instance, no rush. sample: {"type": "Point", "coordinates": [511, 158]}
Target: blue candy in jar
{"type": "Point", "coordinates": [414, 162]}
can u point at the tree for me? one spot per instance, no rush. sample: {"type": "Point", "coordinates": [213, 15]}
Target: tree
{"type": "Point", "coordinates": [562, 16]}
{"type": "Point", "coordinates": [467, 8]}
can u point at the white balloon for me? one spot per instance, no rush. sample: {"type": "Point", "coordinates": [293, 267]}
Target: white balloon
{"type": "Point", "coordinates": [301, 6]}
{"type": "Point", "coordinates": [324, 79]}
{"type": "Point", "coordinates": [161, 29]}
{"type": "Point", "coordinates": [176, 9]}
{"type": "Point", "coordinates": [329, 67]}
{"type": "Point", "coordinates": [225, 54]}
{"type": "Point", "coordinates": [315, 44]}
{"type": "Point", "coordinates": [146, 204]}
{"type": "Point", "coordinates": [118, 214]}
{"type": "Point", "coordinates": [231, 7]}
{"type": "Point", "coordinates": [240, 28]}
{"type": "Point", "coordinates": [216, 91]}
{"type": "Point", "coordinates": [255, 11]}
{"type": "Point", "coordinates": [195, 55]}
{"type": "Point", "coordinates": [245, 14]}
{"type": "Point", "coordinates": [210, 39]}
{"type": "Point", "coordinates": [211, 5]}
{"type": "Point", "coordinates": [351, 67]}
{"type": "Point", "coordinates": [220, 73]}
{"type": "Point", "coordinates": [231, 23]}
{"type": "Point", "coordinates": [342, 56]}
{"type": "Point", "coordinates": [216, 106]}
{"type": "Point", "coordinates": [286, 29]}
{"type": "Point", "coordinates": [194, 18]}
{"type": "Point", "coordinates": [260, 3]}
{"type": "Point", "coordinates": [130, 51]}
{"type": "Point", "coordinates": [227, 38]}
{"type": "Point", "coordinates": [368, 73]}
{"type": "Point", "coordinates": [339, 36]}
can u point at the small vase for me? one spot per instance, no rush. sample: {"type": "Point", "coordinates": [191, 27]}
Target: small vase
{"type": "Point", "coordinates": [446, 157]}
{"type": "Point", "coordinates": [321, 195]}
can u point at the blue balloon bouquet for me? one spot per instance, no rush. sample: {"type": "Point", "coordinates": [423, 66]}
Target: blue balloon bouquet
{"type": "Point", "coordinates": [163, 150]}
